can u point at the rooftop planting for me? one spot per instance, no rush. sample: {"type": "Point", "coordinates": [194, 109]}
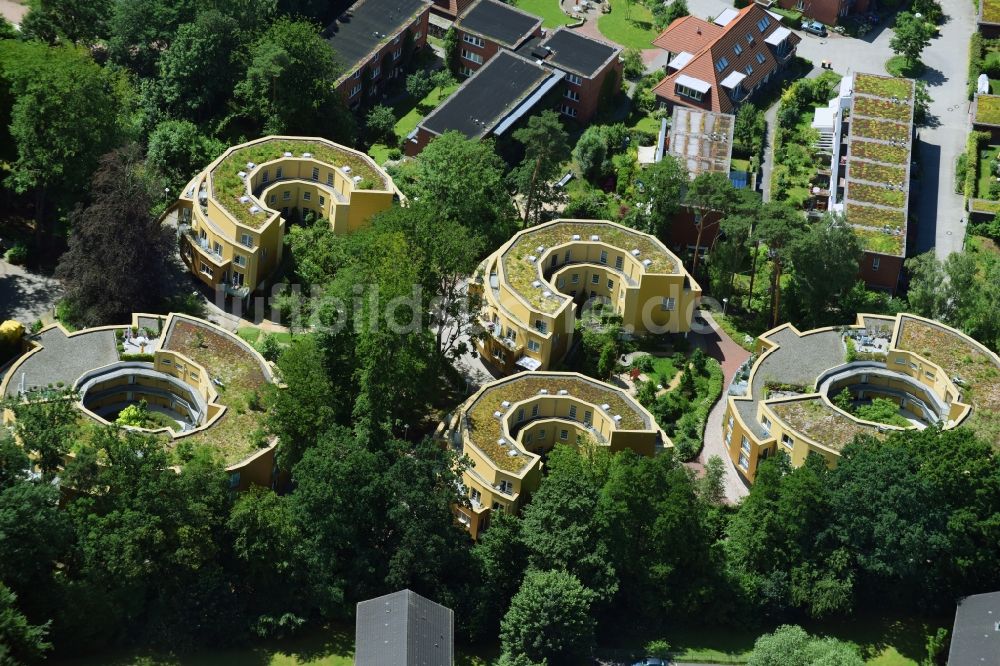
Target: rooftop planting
{"type": "Point", "coordinates": [876, 173]}
{"type": "Point", "coordinates": [874, 194]}
{"type": "Point", "coordinates": [485, 428]}
{"type": "Point", "coordinates": [882, 108]}
{"type": "Point", "coordinates": [238, 433]}
{"type": "Point", "coordinates": [991, 11]}
{"type": "Point", "coordinates": [883, 130]}
{"type": "Point", "coordinates": [869, 216]}
{"type": "Point", "coordinates": [985, 206]}
{"type": "Point", "coordinates": [874, 240]}
{"type": "Point", "coordinates": [883, 86]}
{"type": "Point", "coordinates": [879, 152]}
{"type": "Point", "coordinates": [988, 109]}
{"type": "Point", "coordinates": [521, 273]}
{"type": "Point", "coordinates": [228, 187]}
{"type": "Point", "coordinates": [815, 419]}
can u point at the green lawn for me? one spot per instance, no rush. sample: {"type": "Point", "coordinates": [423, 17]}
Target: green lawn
{"type": "Point", "coordinates": [410, 115]}
{"type": "Point", "coordinates": [548, 10]}
{"type": "Point", "coordinates": [646, 123]}
{"type": "Point", "coordinates": [987, 156]}
{"type": "Point", "coordinates": [636, 31]}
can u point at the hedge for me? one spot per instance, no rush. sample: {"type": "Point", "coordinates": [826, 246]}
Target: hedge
{"type": "Point", "coordinates": [972, 162]}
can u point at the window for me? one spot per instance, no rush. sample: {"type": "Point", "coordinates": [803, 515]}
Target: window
{"type": "Point", "coordinates": [689, 92]}
{"type": "Point", "coordinates": [572, 411]}
{"type": "Point", "coordinates": [475, 496]}
{"type": "Point", "coordinates": [307, 196]}
{"type": "Point", "coordinates": [763, 23]}
{"type": "Point", "coordinates": [396, 54]}
{"type": "Point", "coordinates": [604, 256]}
{"type": "Point", "coordinates": [322, 201]}
{"type": "Point", "coordinates": [239, 260]}
{"type": "Point", "coordinates": [237, 279]}
{"type": "Point", "coordinates": [534, 410]}
{"type": "Point", "coordinates": [766, 423]}
{"type": "Point", "coordinates": [760, 58]}
{"type": "Point", "coordinates": [472, 57]}
{"type": "Point", "coordinates": [206, 269]}
{"type": "Point", "coordinates": [533, 346]}
{"type": "Point", "coordinates": [263, 253]}
{"type": "Point", "coordinates": [507, 487]}
{"type": "Point", "coordinates": [265, 177]}
{"type": "Point", "coordinates": [465, 71]}
{"type": "Point", "coordinates": [575, 279]}
{"type": "Point", "coordinates": [738, 48]}
{"type": "Point", "coordinates": [749, 38]}
{"type": "Point", "coordinates": [588, 417]}
{"type": "Point", "coordinates": [329, 179]}
{"type": "Point", "coordinates": [499, 506]}
{"type": "Point", "coordinates": [356, 75]}
{"type": "Point", "coordinates": [875, 263]}
{"type": "Point", "coordinates": [315, 173]}
{"type": "Point", "coordinates": [418, 35]}
{"type": "Point", "coordinates": [286, 195]}
{"type": "Point", "coordinates": [729, 436]}
{"type": "Point", "coordinates": [573, 95]}
{"type": "Point", "coordinates": [564, 434]}
{"type": "Point", "coordinates": [541, 433]}
{"type": "Point", "coordinates": [373, 90]}
{"type": "Point", "coordinates": [595, 278]}
{"type": "Point", "coordinates": [744, 462]}
{"type": "Point", "coordinates": [787, 441]}
{"type": "Point", "coordinates": [721, 64]}
{"type": "Point", "coordinates": [611, 285]}
{"type": "Point", "coordinates": [376, 71]}
{"type": "Point", "coordinates": [574, 79]}
{"type": "Point", "coordinates": [475, 41]}
{"type": "Point", "coordinates": [355, 90]}
{"type": "Point", "coordinates": [217, 248]}
{"type": "Point", "coordinates": [541, 326]}
{"type": "Point", "coordinates": [246, 240]}
{"type": "Point", "coordinates": [749, 70]}
{"type": "Point", "coordinates": [520, 415]}
{"type": "Point", "coordinates": [568, 111]}
{"type": "Point", "coordinates": [745, 445]}
{"type": "Point", "coordinates": [274, 197]}
{"type": "Point", "coordinates": [668, 304]}
{"type": "Point", "coordinates": [619, 263]}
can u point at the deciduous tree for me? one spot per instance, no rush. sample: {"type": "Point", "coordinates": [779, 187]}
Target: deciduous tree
{"type": "Point", "coordinates": [546, 147]}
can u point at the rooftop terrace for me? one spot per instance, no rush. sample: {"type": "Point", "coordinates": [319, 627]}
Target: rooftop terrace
{"type": "Point", "coordinates": [521, 273]}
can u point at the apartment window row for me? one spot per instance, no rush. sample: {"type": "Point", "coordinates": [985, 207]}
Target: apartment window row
{"type": "Point", "coordinates": [696, 95]}
{"type": "Point", "coordinates": [574, 79]}
{"type": "Point", "coordinates": [472, 57]}
{"type": "Point", "coordinates": [355, 90]}
{"type": "Point", "coordinates": [573, 95]}
{"type": "Point", "coordinates": [763, 23]}
{"type": "Point", "coordinates": [465, 71]}
{"type": "Point", "coordinates": [721, 64]}
{"type": "Point", "coordinates": [568, 111]}
{"type": "Point", "coordinates": [669, 304]}
{"type": "Point", "coordinates": [472, 39]}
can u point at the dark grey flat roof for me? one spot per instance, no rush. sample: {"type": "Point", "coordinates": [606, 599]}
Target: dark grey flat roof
{"type": "Point", "coordinates": [488, 96]}
{"type": "Point", "coordinates": [975, 638]}
{"type": "Point", "coordinates": [403, 629]}
{"type": "Point", "coordinates": [498, 22]}
{"type": "Point", "coordinates": [367, 25]}
{"type": "Point", "coordinates": [578, 53]}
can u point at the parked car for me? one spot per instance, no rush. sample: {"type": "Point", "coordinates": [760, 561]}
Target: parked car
{"type": "Point", "coordinates": [815, 27]}
{"type": "Point", "coordinates": [650, 661]}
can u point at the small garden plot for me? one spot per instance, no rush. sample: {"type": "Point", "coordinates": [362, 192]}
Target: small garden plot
{"type": "Point", "coordinates": [882, 108]}
{"type": "Point", "coordinates": [876, 173]}
{"type": "Point", "coordinates": [880, 152]}
{"type": "Point", "coordinates": [876, 195]}
{"type": "Point", "coordinates": [868, 216]}
{"type": "Point", "coordinates": [873, 240]}
{"type": "Point", "coordinates": [988, 110]}
{"type": "Point", "coordinates": [883, 86]}
{"type": "Point", "coordinates": [881, 129]}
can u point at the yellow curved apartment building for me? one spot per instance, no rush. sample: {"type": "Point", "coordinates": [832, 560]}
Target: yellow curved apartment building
{"type": "Point", "coordinates": [936, 374]}
{"type": "Point", "coordinates": [533, 285]}
{"type": "Point", "coordinates": [232, 216]}
{"type": "Point", "coordinates": [508, 427]}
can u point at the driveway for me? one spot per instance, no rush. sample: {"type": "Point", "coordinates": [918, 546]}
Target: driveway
{"type": "Point", "coordinates": [26, 296]}
{"type": "Point", "coordinates": [13, 11]}
{"type": "Point", "coordinates": [721, 347]}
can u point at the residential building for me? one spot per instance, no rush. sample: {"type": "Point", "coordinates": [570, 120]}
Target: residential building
{"type": "Point", "coordinates": [531, 287]}
{"type": "Point", "coordinates": [490, 101]}
{"type": "Point", "coordinates": [508, 427]}
{"type": "Point", "coordinates": [830, 12]}
{"type": "Point", "coordinates": [373, 41]}
{"type": "Point", "coordinates": [593, 69]}
{"type": "Point", "coordinates": [717, 65]}
{"type": "Point", "coordinates": [232, 216]}
{"type": "Point", "coordinates": [975, 638]}
{"type": "Point", "coordinates": [868, 131]}
{"type": "Point", "coordinates": [404, 629]}
{"type": "Point", "coordinates": [177, 365]}
{"type": "Point", "coordinates": [784, 403]}
{"type": "Point", "coordinates": [488, 26]}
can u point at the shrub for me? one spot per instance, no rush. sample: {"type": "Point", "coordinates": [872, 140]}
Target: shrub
{"type": "Point", "coordinates": [18, 254]}
{"type": "Point", "coordinates": [380, 123]}
{"type": "Point", "coordinates": [143, 358]}
{"type": "Point", "coordinates": [395, 154]}
{"type": "Point", "coordinates": [632, 64]}
{"type": "Point", "coordinates": [135, 415]}
{"type": "Point", "coordinates": [268, 347]}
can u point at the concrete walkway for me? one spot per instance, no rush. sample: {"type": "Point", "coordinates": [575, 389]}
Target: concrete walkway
{"type": "Point", "coordinates": [26, 296]}
{"type": "Point", "coordinates": [721, 347]}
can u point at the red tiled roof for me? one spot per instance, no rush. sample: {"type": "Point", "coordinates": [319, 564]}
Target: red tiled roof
{"type": "Point", "coordinates": [688, 33]}
{"type": "Point", "coordinates": [702, 66]}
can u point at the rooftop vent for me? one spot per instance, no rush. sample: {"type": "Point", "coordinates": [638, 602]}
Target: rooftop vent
{"type": "Point", "coordinates": [505, 404]}
{"type": "Point", "coordinates": [502, 441]}
{"type": "Point", "coordinates": [287, 154]}
{"type": "Point", "coordinates": [307, 154]}
{"type": "Point", "coordinates": [605, 406]}
{"type": "Point", "coordinates": [547, 293]}
{"type": "Point", "coordinates": [242, 174]}
{"type": "Point", "coordinates": [635, 252]}
{"type": "Point", "coordinates": [345, 169]}
{"type": "Point", "coordinates": [512, 453]}
{"type": "Point", "coordinates": [563, 391]}
{"type": "Point", "coordinates": [540, 249]}
{"type": "Point", "coordinates": [595, 237]}
{"type": "Point", "coordinates": [244, 199]}
{"type": "Point", "coordinates": [497, 414]}
{"type": "Point", "coordinates": [576, 236]}
{"type": "Point", "coordinates": [536, 284]}
{"type": "Point", "coordinates": [357, 179]}
{"type": "Point", "coordinates": [532, 258]}
{"type": "Point", "coordinates": [250, 165]}
{"type": "Point", "coordinates": [647, 262]}
{"type": "Point", "coordinates": [543, 391]}
{"type": "Point", "coordinates": [254, 209]}
{"type": "Point", "coordinates": [618, 418]}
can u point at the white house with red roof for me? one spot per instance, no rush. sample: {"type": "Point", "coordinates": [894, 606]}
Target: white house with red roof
{"type": "Point", "coordinates": [717, 65]}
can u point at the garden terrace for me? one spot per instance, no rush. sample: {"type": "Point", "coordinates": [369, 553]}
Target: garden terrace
{"type": "Point", "coordinates": [239, 375]}
{"type": "Point", "coordinates": [877, 173]}
{"type": "Point", "coordinates": [874, 194]}
{"type": "Point", "coordinates": [880, 242]}
{"type": "Point", "coordinates": [227, 186]}
{"type": "Point", "coordinates": [879, 152]}
{"type": "Point", "coordinates": [818, 421]}
{"type": "Point", "coordinates": [883, 86]}
{"type": "Point", "coordinates": [485, 429]}
{"type": "Point", "coordinates": [871, 128]}
{"type": "Point", "coordinates": [882, 108]}
{"type": "Point", "coordinates": [521, 273]}
{"type": "Point", "coordinates": [988, 109]}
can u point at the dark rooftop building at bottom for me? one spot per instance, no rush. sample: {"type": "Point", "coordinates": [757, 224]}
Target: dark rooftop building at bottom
{"type": "Point", "coordinates": [975, 639]}
{"type": "Point", "coordinates": [403, 629]}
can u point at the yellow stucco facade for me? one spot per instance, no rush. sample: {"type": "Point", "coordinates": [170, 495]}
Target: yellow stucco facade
{"type": "Point", "coordinates": [232, 216]}
{"type": "Point", "coordinates": [531, 287]}
{"type": "Point", "coordinates": [508, 427]}
{"type": "Point", "coordinates": [936, 374]}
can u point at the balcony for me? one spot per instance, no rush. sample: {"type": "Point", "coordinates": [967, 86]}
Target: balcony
{"type": "Point", "coordinates": [203, 247]}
